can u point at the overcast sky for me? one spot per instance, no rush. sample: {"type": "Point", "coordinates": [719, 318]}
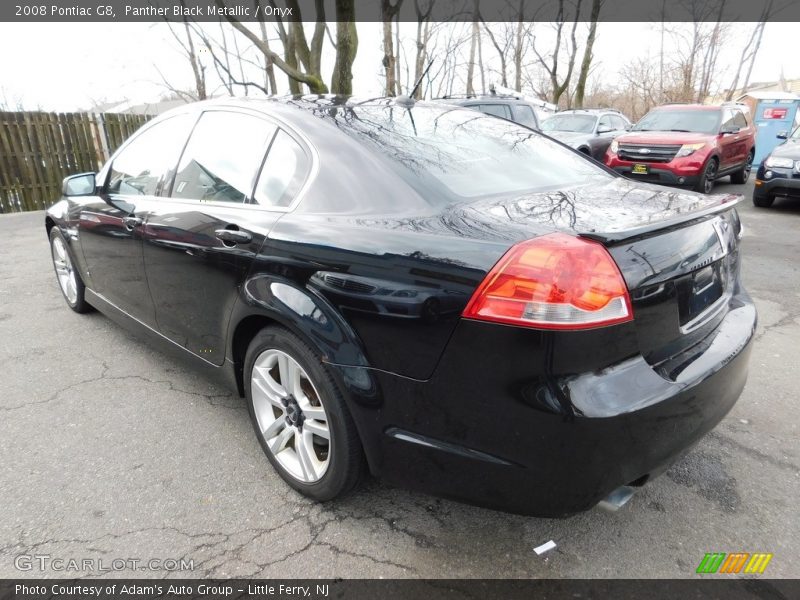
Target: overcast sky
{"type": "Point", "coordinates": [62, 66]}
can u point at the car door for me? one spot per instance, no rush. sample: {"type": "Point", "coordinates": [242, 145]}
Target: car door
{"type": "Point", "coordinates": [110, 224]}
{"type": "Point", "coordinates": [605, 134]}
{"type": "Point", "coordinates": [742, 138]}
{"type": "Point", "coordinates": [728, 141]}
{"type": "Point", "coordinates": [201, 238]}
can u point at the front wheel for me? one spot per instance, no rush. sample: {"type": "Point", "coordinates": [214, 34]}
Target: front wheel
{"type": "Point", "coordinates": [300, 417]}
{"type": "Point", "coordinates": [709, 176]}
{"type": "Point", "coordinates": [763, 201]}
{"type": "Point", "coordinates": [69, 280]}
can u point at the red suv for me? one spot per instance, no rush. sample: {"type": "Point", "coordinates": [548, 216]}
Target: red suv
{"type": "Point", "coordinates": [687, 144]}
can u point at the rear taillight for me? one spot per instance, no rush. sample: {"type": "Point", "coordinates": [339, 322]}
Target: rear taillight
{"type": "Point", "coordinates": [556, 281]}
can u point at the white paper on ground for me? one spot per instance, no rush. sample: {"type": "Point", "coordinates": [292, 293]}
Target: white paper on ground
{"type": "Point", "coordinates": [545, 547]}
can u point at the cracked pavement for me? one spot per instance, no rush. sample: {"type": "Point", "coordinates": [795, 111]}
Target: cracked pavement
{"type": "Point", "coordinates": [111, 449]}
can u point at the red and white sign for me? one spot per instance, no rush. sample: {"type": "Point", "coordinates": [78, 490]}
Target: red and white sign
{"type": "Point", "coordinates": [778, 114]}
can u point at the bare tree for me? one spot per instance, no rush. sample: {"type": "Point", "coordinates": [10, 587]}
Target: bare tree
{"type": "Point", "coordinates": [389, 11]}
{"type": "Point", "coordinates": [423, 37]}
{"type": "Point", "coordinates": [588, 57]}
{"type": "Point", "coordinates": [346, 47]}
{"type": "Point", "coordinates": [302, 61]}
{"type": "Point", "coordinates": [473, 46]}
{"type": "Point", "coordinates": [189, 50]}
{"type": "Point", "coordinates": [566, 42]}
{"type": "Point", "coordinates": [502, 46]}
{"type": "Point", "coordinates": [750, 51]}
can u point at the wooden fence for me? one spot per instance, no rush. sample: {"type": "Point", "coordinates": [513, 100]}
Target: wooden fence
{"type": "Point", "coordinates": [38, 149]}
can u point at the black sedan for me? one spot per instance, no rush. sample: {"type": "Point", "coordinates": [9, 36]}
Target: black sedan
{"type": "Point", "coordinates": [450, 301]}
{"type": "Point", "coordinates": [779, 173]}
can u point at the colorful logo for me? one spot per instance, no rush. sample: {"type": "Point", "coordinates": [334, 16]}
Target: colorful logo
{"type": "Point", "coordinates": [736, 562]}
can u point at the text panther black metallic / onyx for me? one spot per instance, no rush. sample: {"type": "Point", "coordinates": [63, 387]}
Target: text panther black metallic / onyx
{"type": "Point", "coordinates": [452, 301]}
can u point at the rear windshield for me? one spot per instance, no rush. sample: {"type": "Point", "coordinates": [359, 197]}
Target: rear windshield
{"type": "Point", "coordinates": [577, 123]}
{"type": "Point", "coordinates": [700, 121]}
{"type": "Point", "coordinates": [455, 153]}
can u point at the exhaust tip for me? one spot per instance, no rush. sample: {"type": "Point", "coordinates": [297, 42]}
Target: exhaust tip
{"type": "Point", "coordinates": [617, 499]}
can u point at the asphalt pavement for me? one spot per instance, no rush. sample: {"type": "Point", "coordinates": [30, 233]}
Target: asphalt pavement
{"type": "Point", "coordinates": [112, 450]}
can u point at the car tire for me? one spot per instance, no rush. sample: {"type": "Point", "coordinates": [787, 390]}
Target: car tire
{"type": "Point", "coordinates": [742, 175]}
{"type": "Point", "coordinates": [706, 182]}
{"type": "Point", "coordinates": [763, 201]}
{"type": "Point", "coordinates": [69, 280]}
{"type": "Point", "coordinates": [319, 468]}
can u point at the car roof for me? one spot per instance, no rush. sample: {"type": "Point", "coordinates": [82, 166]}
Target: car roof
{"type": "Point", "coordinates": [590, 110]}
{"type": "Point", "coordinates": [483, 99]}
{"type": "Point", "coordinates": [679, 106]}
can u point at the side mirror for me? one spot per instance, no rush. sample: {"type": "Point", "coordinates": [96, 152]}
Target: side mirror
{"type": "Point", "coordinates": [628, 127]}
{"type": "Point", "coordinates": [729, 130]}
{"type": "Point", "coordinates": [604, 130]}
{"type": "Point", "coordinates": [782, 135]}
{"type": "Point", "coordinates": [83, 184]}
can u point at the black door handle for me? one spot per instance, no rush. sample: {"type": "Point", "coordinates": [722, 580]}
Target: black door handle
{"type": "Point", "coordinates": [132, 221]}
{"type": "Point", "coordinates": [233, 236]}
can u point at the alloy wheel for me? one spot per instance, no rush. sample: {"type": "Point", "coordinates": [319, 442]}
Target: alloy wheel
{"type": "Point", "coordinates": [65, 271]}
{"type": "Point", "coordinates": [291, 416]}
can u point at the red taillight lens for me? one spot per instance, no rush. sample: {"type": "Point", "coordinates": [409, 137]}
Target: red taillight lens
{"type": "Point", "coordinates": [556, 281]}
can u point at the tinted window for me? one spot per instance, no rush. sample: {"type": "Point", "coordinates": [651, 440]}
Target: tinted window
{"type": "Point", "coordinates": [702, 121]}
{"type": "Point", "coordinates": [147, 164]}
{"type": "Point", "coordinates": [526, 116]}
{"type": "Point", "coordinates": [221, 161]}
{"type": "Point", "coordinates": [570, 122]}
{"type": "Point", "coordinates": [449, 154]}
{"type": "Point", "coordinates": [284, 172]}
{"type": "Point", "coordinates": [498, 110]}
{"type": "Point", "coordinates": [739, 120]}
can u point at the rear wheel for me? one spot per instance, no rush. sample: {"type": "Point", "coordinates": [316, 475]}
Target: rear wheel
{"type": "Point", "coordinates": [763, 201]}
{"type": "Point", "coordinates": [69, 280]}
{"type": "Point", "coordinates": [300, 417]}
{"type": "Point", "coordinates": [743, 174]}
{"type": "Point", "coordinates": [709, 176]}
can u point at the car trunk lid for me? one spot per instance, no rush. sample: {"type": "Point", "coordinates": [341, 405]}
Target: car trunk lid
{"type": "Point", "coordinates": [677, 251]}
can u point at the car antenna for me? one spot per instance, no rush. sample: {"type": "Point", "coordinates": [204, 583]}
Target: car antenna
{"type": "Point", "coordinates": [407, 101]}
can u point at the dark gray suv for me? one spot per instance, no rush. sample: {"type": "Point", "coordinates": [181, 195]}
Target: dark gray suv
{"type": "Point", "coordinates": [588, 130]}
{"type": "Point", "coordinates": [508, 107]}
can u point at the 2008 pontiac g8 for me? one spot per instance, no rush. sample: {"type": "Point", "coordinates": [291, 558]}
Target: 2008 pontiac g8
{"type": "Point", "coordinates": [450, 301]}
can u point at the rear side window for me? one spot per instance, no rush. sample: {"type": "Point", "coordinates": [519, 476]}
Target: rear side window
{"type": "Point", "coordinates": [222, 157]}
{"type": "Point", "coordinates": [727, 119]}
{"type": "Point", "coordinates": [739, 120]}
{"type": "Point", "coordinates": [284, 172]}
{"type": "Point", "coordinates": [498, 110]}
{"type": "Point", "coordinates": [525, 116]}
{"type": "Point", "coordinates": [618, 123]}
{"type": "Point", "coordinates": [146, 165]}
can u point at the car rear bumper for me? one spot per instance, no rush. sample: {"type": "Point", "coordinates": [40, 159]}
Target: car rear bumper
{"type": "Point", "coordinates": [504, 424]}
